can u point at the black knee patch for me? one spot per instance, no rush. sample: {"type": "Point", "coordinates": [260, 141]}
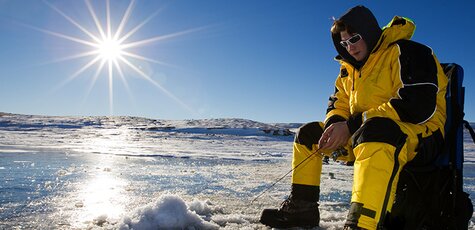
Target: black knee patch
{"type": "Point", "coordinates": [379, 129]}
{"type": "Point", "coordinates": [309, 134]}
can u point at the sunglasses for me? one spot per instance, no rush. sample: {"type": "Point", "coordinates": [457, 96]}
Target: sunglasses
{"type": "Point", "coordinates": [351, 41]}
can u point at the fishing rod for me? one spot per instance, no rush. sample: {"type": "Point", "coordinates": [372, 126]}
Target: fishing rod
{"type": "Point", "coordinates": [282, 177]}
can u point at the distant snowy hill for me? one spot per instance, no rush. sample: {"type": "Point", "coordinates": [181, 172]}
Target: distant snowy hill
{"type": "Point", "coordinates": [136, 136]}
{"type": "Point", "coordinates": [232, 126]}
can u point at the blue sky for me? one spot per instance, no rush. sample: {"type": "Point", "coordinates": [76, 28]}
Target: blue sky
{"type": "Point", "coordinates": [267, 60]}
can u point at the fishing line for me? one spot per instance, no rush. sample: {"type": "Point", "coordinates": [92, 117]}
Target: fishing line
{"type": "Point", "coordinates": [282, 177]}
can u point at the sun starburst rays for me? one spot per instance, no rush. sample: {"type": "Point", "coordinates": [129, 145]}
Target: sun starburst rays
{"type": "Point", "coordinates": [109, 50]}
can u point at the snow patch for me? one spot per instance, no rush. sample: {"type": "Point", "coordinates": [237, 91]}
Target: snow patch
{"type": "Point", "coordinates": [204, 208]}
{"type": "Point", "coordinates": [168, 212]}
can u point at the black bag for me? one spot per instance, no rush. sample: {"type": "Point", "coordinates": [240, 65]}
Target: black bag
{"type": "Point", "coordinates": [430, 189]}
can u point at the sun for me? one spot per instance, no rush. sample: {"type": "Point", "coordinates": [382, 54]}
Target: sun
{"type": "Point", "coordinates": [110, 50]}
{"type": "Point", "coordinates": [109, 47]}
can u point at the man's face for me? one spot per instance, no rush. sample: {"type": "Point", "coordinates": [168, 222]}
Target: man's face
{"type": "Point", "coordinates": [358, 49]}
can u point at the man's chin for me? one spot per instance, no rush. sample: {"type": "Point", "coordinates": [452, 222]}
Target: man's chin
{"type": "Point", "coordinates": [357, 56]}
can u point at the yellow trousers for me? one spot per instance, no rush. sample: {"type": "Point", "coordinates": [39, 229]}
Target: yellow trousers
{"type": "Point", "coordinates": [378, 159]}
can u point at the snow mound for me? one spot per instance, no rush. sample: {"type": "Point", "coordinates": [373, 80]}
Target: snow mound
{"type": "Point", "coordinates": [168, 212]}
{"type": "Point", "coordinates": [204, 208]}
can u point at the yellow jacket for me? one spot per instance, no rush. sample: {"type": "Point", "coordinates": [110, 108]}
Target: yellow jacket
{"type": "Point", "coordinates": [401, 80]}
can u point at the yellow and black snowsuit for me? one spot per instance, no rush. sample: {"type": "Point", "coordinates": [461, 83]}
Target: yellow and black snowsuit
{"type": "Point", "coordinates": [394, 105]}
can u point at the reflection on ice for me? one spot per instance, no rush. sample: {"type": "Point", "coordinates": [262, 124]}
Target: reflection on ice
{"type": "Point", "coordinates": [100, 196]}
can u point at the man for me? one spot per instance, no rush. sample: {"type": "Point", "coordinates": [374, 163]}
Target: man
{"type": "Point", "coordinates": [388, 106]}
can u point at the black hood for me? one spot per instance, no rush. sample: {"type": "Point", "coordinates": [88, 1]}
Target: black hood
{"type": "Point", "coordinates": [364, 23]}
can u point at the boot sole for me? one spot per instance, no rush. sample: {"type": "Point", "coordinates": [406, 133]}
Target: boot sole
{"type": "Point", "coordinates": [274, 219]}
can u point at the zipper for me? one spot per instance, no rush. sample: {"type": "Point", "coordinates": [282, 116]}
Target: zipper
{"type": "Point", "coordinates": [353, 87]}
{"type": "Point", "coordinates": [359, 76]}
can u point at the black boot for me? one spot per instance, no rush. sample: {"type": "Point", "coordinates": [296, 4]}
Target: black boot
{"type": "Point", "coordinates": [292, 213]}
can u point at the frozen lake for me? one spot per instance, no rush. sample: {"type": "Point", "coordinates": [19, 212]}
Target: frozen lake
{"type": "Point", "coordinates": [121, 172]}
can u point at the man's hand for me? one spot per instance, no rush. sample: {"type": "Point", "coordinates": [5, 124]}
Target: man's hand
{"type": "Point", "coordinates": [335, 136]}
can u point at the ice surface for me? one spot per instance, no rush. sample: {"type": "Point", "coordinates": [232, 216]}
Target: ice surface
{"type": "Point", "coordinates": [138, 173]}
